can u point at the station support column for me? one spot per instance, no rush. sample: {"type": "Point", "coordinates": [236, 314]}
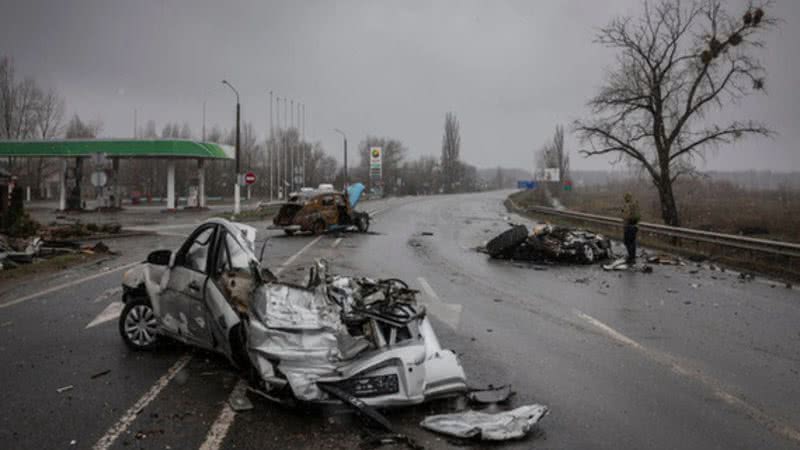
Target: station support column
{"type": "Point", "coordinates": [201, 183]}
{"type": "Point", "coordinates": [62, 186]}
{"type": "Point", "coordinates": [171, 185]}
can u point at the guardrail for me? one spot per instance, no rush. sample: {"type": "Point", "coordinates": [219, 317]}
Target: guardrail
{"type": "Point", "coordinates": [779, 248]}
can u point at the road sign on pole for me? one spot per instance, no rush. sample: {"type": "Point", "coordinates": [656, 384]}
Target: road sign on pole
{"type": "Point", "coordinates": [375, 164]}
{"type": "Point", "coordinates": [250, 178]}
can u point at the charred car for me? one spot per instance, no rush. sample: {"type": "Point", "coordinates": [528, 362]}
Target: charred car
{"type": "Point", "coordinates": [549, 243]}
{"type": "Point", "coordinates": [323, 211]}
{"type": "Point", "coordinates": [363, 337]}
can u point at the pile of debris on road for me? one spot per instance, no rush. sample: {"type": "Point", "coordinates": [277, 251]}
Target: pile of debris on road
{"type": "Point", "coordinates": [20, 251]}
{"type": "Point", "coordinates": [549, 243]}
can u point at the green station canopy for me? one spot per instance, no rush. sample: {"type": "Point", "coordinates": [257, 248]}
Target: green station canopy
{"type": "Point", "coordinates": [116, 148]}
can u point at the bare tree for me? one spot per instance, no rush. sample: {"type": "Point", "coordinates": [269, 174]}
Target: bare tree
{"type": "Point", "coordinates": [676, 64]}
{"type": "Point", "coordinates": [49, 113]}
{"type": "Point", "coordinates": [553, 155]}
{"type": "Point", "coordinates": [78, 129]}
{"type": "Point", "coordinates": [451, 150]}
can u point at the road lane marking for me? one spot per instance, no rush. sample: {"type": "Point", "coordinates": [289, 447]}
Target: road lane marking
{"type": "Point", "coordinates": [126, 420]}
{"type": "Point", "coordinates": [219, 429]}
{"type": "Point", "coordinates": [66, 285]}
{"type": "Point", "coordinates": [293, 257]}
{"type": "Point", "coordinates": [449, 313]}
{"type": "Point", "coordinates": [336, 242]}
{"type": "Point", "coordinates": [773, 424]}
{"type": "Point", "coordinates": [111, 312]}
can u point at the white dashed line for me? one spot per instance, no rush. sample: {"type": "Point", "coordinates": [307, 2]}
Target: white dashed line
{"type": "Point", "coordinates": [219, 429]}
{"type": "Point", "coordinates": [336, 243]}
{"type": "Point", "coordinates": [448, 313]}
{"type": "Point", "coordinates": [125, 421]}
{"type": "Point", "coordinates": [773, 424]}
{"type": "Point", "coordinates": [111, 312]}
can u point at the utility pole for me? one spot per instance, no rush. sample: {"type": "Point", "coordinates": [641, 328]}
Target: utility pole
{"type": "Point", "coordinates": [236, 192]}
{"type": "Point", "coordinates": [204, 120]}
{"type": "Point", "coordinates": [291, 146]}
{"type": "Point", "coordinates": [286, 143]}
{"type": "Point", "coordinates": [269, 150]}
{"type": "Point", "coordinates": [135, 125]}
{"type": "Point", "coordinates": [345, 155]}
{"type": "Point", "coordinates": [278, 149]}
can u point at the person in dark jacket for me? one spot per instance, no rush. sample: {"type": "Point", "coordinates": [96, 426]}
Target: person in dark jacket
{"type": "Point", "coordinates": [630, 218]}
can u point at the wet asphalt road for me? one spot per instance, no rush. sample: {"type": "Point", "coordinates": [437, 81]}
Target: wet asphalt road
{"type": "Point", "coordinates": [673, 359]}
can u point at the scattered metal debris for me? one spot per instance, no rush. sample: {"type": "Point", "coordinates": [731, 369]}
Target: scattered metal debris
{"type": "Point", "coordinates": [664, 259]}
{"type": "Point", "coordinates": [426, 233]}
{"type": "Point", "coordinates": [66, 388]}
{"type": "Point", "coordinates": [100, 374]}
{"type": "Point", "coordinates": [500, 426]}
{"type": "Point", "coordinates": [239, 401]}
{"type": "Point", "coordinates": [491, 395]}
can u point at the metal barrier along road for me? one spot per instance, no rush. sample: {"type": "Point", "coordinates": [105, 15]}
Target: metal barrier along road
{"type": "Point", "coordinates": [778, 248]}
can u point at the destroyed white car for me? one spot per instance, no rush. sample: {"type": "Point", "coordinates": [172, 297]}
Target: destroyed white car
{"type": "Point", "coordinates": [337, 336]}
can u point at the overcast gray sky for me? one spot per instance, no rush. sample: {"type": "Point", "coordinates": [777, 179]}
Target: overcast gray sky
{"type": "Point", "coordinates": [510, 70]}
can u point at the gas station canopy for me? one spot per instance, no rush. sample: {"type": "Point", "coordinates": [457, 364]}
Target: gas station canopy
{"type": "Point", "coordinates": [116, 148]}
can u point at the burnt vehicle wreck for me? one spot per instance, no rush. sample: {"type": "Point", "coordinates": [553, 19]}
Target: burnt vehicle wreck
{"type": "Point", "coordinates": [367, 338]}
{"type": "Point", "coordinates": [322, 211]}
{"type": "Point", "coordinates": [549, 243]}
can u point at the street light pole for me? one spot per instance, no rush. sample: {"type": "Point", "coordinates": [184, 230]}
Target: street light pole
{"type": "Point", "coordinates": [270, 145]}
{"type": "Point", "coordinates": [236, 193]}
{"type": "Point", "coordinates": [344, 136]}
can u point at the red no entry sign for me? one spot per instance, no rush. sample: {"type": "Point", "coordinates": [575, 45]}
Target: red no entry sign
{"type": "Point", "coordinates": [249, 178]}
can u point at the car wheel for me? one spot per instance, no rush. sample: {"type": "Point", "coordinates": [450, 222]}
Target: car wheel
{"type": "Point", "coordinates": [318, 227]}
{"type": "Point", "coordinates": [505, 243]}
{"type": "Point", "coordinates": [362, 223]}
{"type": "Point", "coordinates": [138, 325]}
{"type": "Point", "coordinates": [588, 253]}
{"type": "Point", "coordinates": [289, 232]}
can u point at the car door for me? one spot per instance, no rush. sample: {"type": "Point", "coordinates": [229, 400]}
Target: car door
{"type": "Point", "coordinates": [184, 312]}
{"type": "Point", "coordinates": [330, 213]}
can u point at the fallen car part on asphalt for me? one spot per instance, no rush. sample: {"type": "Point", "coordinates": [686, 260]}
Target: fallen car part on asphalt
{"type": "Point", "coordinates": [374, 417]}
{"type": "Point", "coordinates": [548, 243]}
{"type": "Point", "coordinates": [499, 426]}
{"type": "Point", "coordinates": [491, 395]}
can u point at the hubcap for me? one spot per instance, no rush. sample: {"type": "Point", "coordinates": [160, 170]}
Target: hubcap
{"type": "Point", "coordinates": [140, 325]}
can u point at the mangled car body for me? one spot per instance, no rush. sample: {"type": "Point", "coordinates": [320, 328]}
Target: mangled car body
{"type": "Point", "coordinates": [324, 211]}
{"type": "Point", "coordinates": [549, 243]}
{"type": "Point", "coordinates": [368, 338]}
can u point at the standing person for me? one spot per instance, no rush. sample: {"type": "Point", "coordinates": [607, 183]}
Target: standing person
{"type": "Point", "coordinates": [630, 217]}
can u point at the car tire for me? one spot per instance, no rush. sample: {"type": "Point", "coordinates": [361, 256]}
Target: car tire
{"type": "Point", "coordinates": [589, 253]}
{"type": "Point", "coordinates": [507, 241]}
{"type": "Point", "coordinates": [138, 325]}
{"type": "Point", "coordinates": [362, 223]}
{"type": "Point", "coordinates": [318, 227]}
